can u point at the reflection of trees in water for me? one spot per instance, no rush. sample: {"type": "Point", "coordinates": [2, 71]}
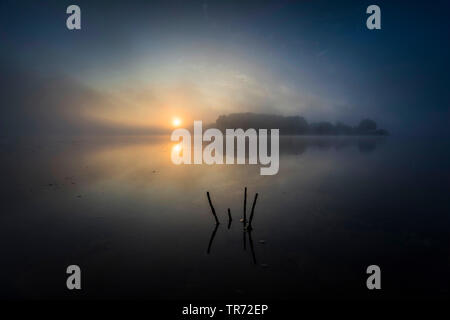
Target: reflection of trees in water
{"type": "Point", "coordinates": [299, 145]}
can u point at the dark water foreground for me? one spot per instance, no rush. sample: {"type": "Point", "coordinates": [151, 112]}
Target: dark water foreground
{"type": "Point", "coordinates": [140, 227]}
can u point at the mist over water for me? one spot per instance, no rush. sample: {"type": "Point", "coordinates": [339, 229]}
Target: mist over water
{"type": "Point", "coordinates": [140, 226]}
{"type": "Point", "coordinates": [87, 177]}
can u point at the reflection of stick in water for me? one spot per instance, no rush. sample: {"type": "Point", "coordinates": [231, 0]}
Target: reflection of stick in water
{"type": "Point", "coordinates": [212, 238]}
{"type": "Point", "coordinates": [212, 208]}
{"type": "Point", "coordinates": [253, 211]}
{"type": "Point", "coordinates": [251, 245]}
{"type": "Point", "coordinates": [247, 228]}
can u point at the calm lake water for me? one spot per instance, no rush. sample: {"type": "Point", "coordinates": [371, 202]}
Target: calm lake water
{"type": "Point", "coordinates": [140, 227]}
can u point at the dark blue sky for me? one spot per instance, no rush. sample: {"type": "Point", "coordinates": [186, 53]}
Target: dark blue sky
{"type": "Point", "coordinates": [137, 63]}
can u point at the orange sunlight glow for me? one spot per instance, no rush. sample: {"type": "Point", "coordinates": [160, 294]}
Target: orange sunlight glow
{"type": "Point", "coordinates": [177, 148]}
{"type": "Point", "coordinates": [176, 122]}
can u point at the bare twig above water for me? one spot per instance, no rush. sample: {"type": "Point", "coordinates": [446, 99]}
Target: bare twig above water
{"type": "Point", "coordinates": [253, 211]}
{"type": "Point", "coordinates": [212, 208]}
{"type": "Point", "coordinates": [245, 206]}
{"type": "Point", "coordinates": [247, 228]}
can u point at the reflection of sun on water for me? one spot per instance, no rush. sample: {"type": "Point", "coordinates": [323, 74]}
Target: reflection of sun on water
{"type": "Point", "coordinates": [143, 165]}
{"type": "Point", "coordinates": [177, 151]}
{"type": "Point", "coordinates": [176, 148]}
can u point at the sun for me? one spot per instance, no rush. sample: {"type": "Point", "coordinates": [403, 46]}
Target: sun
{"type": "Point", "coordinates": [176, 122]}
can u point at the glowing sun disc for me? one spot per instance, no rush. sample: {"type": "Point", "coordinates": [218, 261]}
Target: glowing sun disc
{"type": "Point", "coordinates": [176, 122]}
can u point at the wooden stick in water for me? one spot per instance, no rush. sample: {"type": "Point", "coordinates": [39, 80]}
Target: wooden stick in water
{"type": "Point", "coordinates": [245, 206]}
{"type": "Point", "coordinates": [253, 211]}
{"type": "Point", "coordinates": [212, 208]}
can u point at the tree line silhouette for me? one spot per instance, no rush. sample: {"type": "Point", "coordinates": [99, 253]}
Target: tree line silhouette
{"type": "Point", "coordinates": [296, 125]}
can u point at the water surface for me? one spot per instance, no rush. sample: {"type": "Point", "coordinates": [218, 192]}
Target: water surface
{"type": "Point", "coordinates": [140, 226]}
